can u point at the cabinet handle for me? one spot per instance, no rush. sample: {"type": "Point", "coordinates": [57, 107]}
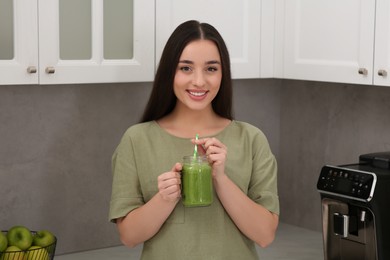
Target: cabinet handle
{"type": "Point", "coordinates": [50, 70]}
{"type": "Point", "coordinates": [31, 69]}
{"type": "Point", "coordinates": [382, 73]}
{"type": "Point", "coordinates": [363, 71]}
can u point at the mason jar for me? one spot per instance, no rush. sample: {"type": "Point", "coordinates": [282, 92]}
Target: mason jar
{"type": "Point", "coordinates": [197, 184]}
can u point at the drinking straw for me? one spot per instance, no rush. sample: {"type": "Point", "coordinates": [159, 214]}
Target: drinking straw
{"type": "Point", "coordinates": [196, 147]}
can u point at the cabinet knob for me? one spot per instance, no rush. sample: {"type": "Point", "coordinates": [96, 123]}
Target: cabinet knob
{"type": "Point", "coordinates": [50, 70]}
{"type": "Point", "coordinates": [31, 69]}
{"type": "Point", "coordinates": [382, 73]}
{"type": "Point", "coordinates": [363, 71]}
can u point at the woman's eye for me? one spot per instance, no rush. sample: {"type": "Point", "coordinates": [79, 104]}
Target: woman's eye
{"type": "Point", "coordinates": [185, 68]}
{"type": "Point", "coordinates": [212, 69]}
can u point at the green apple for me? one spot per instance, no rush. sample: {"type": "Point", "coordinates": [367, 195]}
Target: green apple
{"type": "Point", "coordinates": [20, 236]}
{"type": "Point", "coordinates": [13, 253]}
{"type": "Point", "coordinates": [37, 253]}
{"type": "Point", "coordinates": [3, 242]}
{"type": "Point", "coordinates": [43, 238]}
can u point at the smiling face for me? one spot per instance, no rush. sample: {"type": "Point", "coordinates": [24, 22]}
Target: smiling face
{"type": "Point", "coordinates": [198, 76]}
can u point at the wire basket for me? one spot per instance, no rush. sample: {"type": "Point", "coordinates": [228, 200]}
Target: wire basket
{"type": "Point", "coordinates": [42, 253]}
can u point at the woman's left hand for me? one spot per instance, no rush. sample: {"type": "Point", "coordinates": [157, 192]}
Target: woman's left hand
{"type": "Point", "coordinates": [216, 153]}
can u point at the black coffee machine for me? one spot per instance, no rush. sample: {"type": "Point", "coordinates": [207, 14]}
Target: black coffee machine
{"type": "Point", "coordinates": [355, 202]}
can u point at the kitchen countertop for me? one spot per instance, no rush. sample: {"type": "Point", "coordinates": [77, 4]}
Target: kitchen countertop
{"type": "Point", "coordinates": [291, 243]}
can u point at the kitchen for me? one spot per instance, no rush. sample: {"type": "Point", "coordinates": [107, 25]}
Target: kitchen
{"type": "Point", "coordinates": [57, 139]}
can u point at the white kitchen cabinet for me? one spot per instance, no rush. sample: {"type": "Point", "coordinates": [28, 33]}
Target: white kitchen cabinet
{"type": "Point", "coordinates": [329, 40]}
{"type": "Point", "coordinates": [245, 25]}
{"type": "Point", "coordinates": [81, 41]}
{"type": "Point", "coordinates": [18, 42]}
{"type": "Point", "coordinates": [132, 24]}
{"type": "Point", "coordinates": [382, 43]}
{"type": "Point", "coordinates": [338, 41]}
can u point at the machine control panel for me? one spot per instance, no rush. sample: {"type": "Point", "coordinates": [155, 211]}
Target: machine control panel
{"type": "Point", "coordinates": [350, 183]}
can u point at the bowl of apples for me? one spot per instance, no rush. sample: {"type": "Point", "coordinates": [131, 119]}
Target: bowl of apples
{"type": "Point", "coordinates": [19, 243]}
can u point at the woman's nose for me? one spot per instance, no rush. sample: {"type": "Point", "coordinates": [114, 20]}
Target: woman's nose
{"type": "Point", "coordinates": [198, 79]}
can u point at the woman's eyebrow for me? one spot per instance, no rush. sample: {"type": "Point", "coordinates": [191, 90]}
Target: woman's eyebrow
{"type": "Point", "coordinates": [186, 62]}
{"type": "Point", "coordinates": [213, 62]}
{"type": "Point", "coordinates": [207, 62]}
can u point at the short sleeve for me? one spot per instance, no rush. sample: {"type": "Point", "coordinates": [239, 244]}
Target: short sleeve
{"type": "Point", "coordinates": [263, 184]}
{"type": "Point", "coordinates": [126, 192]}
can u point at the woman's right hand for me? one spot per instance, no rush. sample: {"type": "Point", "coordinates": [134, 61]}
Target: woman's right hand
{"type": "Point", "coordinates": [144, 222]}
{"type": "Point", "coordinates": [169, 184]}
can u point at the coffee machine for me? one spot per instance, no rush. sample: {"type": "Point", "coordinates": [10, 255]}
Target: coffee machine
{"type": "Point", "coordinates": [355, 201]}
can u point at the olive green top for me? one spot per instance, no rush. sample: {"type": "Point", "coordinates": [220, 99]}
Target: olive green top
{"type": "Point", "coordinates": [146, 150]}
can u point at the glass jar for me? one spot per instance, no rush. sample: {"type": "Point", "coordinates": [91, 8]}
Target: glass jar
{"type": "Point", "coordinates": [197, 184]}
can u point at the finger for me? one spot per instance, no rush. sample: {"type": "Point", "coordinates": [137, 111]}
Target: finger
{"type": "Point", "coordinates": [200, 145]}
{"type": "Point", "coordinates": [216, 150]}
{"type": "Point", "coordinates": [201, 150]}
{"type": "Point", "coordinates": [206, 142]}
{"type": "Point", "coordinates": [166, 184]}
{"type": "Point", "coordinates": [168, 179]}
{"type": "Point", "coordinates": [171, 193]}
{"type": "Point", "coordinates": [177, 167]}
{"type": "Point", "coordinates": [214, 142]}
{"type": "Point", "coordinates": [201, 141]}
{"type": "Point", "coordinates": [216, 159]}
{"type": "Point", "coordinates": [167, 176]}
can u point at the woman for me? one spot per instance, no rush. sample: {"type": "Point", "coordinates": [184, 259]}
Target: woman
{"type": "Point", "coordinates": [192, 94]}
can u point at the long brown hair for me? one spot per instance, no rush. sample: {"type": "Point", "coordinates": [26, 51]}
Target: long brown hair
{"type": "Point", "coordinates": [162, 100]}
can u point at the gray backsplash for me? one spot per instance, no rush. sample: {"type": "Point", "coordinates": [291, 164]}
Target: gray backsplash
{"type": "Point", "coordinates": [57, 142]}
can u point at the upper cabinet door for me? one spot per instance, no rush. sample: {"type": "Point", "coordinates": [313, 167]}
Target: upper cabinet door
{"type": "Point", "coordinates": [329, 40]}
{"type": "Point", "coordinates": [96, 41]}
{"type": "Point", "coordinates": [18, 42]}
{"type": "Point", "coordinates": [238, 21]}
{"type": "Point", "coordinates": [382, 44]}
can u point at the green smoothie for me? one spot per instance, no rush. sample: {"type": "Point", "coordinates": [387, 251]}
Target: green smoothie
{"type": "Point", "coordinates": [197, 186]}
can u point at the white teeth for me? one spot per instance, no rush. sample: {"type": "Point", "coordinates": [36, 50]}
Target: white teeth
{"type": "Point", "coordinates": [197, 94]}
